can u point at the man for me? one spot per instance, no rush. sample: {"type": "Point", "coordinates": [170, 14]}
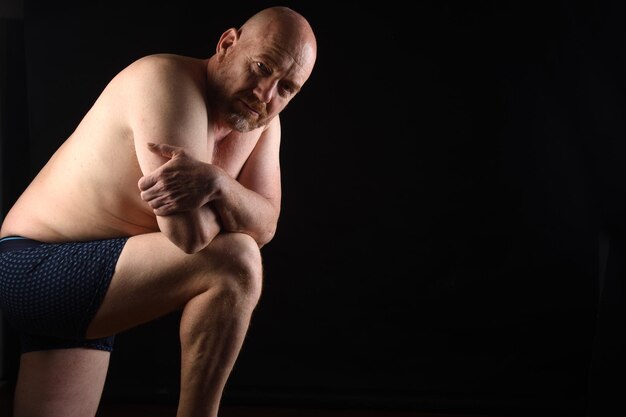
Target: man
{"type": "Point", "coordinates": [160, 200]}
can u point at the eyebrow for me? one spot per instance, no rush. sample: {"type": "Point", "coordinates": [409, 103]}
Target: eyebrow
{"type": "Point", "coordinates": [274, 64]}
{"type": "Point", "coordinates": [292, 86]}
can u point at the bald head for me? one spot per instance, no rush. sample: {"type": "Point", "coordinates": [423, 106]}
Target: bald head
{"type": "Point", "coordinates": [285, 27]}
{"type": "Point", "coordinates": [258, 68]}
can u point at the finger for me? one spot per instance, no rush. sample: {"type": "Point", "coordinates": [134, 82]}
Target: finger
{"type": "Point", "coordinates": [148, 195]}
{"type": "Point", "coordinates": [159, 202]}
{"type": "Point", "coordinates": [163, 211]}
{"type": "Point", "coordinates": [146, 182]}
{"type": "Point", "coordinates": [164, 149]}
{"type": "Point", "coordinates": [164, 206]}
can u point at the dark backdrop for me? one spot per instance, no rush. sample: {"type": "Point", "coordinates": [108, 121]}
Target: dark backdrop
{"type": "Point", "coordinates": [453, 184]}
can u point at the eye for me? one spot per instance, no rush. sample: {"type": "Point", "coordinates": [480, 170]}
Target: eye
{"type": "Point", "coordinates": [265, 70]}
{"type": "Point", "coordinates": [285, 90]}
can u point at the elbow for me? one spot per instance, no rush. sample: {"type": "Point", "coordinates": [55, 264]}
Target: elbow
{"type": "Point", "coordinates": [194, 243]}
{"type": "Point", "coordinates": [191, 248]}
{"type": "Point", "coordinates": [188, 232]}
{"type": "Point", "coordinates": [266, 237]}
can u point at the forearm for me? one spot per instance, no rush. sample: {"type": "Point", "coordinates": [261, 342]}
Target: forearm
{"type": "Point", "coordinates": [183, 184]}
{"type": "Point", "coordinates": [245, 211]}
{"type": "Point", "coordinates": [192, 230]}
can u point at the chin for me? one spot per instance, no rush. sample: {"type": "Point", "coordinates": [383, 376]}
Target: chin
{"type": "Point", "coordinates": [242, 124]}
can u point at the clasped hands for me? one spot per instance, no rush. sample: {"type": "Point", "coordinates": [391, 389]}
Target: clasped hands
{"type": "Point", "coordinates": [183, 183]}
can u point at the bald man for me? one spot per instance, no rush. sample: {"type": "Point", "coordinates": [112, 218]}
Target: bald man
{"type": "Point", "coordinates": [159, 201]}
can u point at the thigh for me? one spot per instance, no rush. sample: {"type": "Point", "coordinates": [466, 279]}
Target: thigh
{"type": "Point", "coordinates": [153, 277]}
{"type": "Point", "coordinates": [60, 382]}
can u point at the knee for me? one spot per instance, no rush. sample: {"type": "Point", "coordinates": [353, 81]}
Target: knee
{"type": "Point", "coordinates": [240, 269]}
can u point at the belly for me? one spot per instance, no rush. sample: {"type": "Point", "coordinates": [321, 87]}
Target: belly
{"type": "Point", "coordinates": [58, 217]}
{"type": "Point", "coordinates": [96, 198]}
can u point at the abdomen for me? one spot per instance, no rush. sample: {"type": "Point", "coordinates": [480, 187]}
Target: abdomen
{"type": "Point", "coordinates": [87, 191]}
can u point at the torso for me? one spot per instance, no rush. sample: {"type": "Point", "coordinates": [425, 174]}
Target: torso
{"type": "Point", "coordinates": [88, 189]}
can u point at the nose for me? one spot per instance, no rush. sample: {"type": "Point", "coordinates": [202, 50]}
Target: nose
{"type": "Point", "coordinates": [265, 89]}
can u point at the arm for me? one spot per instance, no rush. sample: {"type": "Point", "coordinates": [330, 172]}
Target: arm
{"type": "Point", "coordinates": [166, 106]}
{"type": "Point", "coordinates": [250, 204]}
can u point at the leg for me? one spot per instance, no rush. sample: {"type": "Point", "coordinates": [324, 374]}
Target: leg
{"type": "Point", "coordinates": [60, 382]}
{"type": "Point", "coordinates": [217, 289]}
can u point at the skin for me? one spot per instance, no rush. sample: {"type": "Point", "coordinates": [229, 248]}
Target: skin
{"type": "Point", "coordinates": [182, 155]}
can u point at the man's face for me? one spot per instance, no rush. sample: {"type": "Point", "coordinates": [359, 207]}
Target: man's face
{"type": "Point", "coordinates": [258, 78]}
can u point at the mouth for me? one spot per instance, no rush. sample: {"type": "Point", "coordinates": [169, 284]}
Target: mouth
{"type": "Point", "coordinates": [255, 110]}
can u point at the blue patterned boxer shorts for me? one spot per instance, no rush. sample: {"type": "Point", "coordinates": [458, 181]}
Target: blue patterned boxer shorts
{"type": "Point", "coordinates": [50, 292]}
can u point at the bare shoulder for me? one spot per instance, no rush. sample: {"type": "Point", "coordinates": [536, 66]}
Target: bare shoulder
{"type": "Point", "coordinates": [163, 63]}
{"type": "Point", "coordinates": [160, 70]}
{"type": "Point", "coordinates": [162, 85]}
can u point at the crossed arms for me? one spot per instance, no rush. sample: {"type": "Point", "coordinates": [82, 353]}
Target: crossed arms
{"type": "Point", "coordinates": [193, 199]}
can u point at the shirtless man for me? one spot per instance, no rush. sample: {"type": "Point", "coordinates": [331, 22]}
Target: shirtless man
{"type": "Point", "coordinates": [160, 200]}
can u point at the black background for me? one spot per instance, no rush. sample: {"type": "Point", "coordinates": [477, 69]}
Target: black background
{"type": "Point", "coordinates": [453, 179]}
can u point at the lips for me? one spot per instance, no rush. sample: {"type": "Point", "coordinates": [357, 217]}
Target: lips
{"type": "Point", "coordinates": [258, 109]}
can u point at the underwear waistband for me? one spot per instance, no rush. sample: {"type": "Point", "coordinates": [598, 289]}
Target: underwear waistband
{"type": "Point", "coordinates": [12, 243]}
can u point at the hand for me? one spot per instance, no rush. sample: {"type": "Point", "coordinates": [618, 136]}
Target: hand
{"type": "Point", "coordinates": [181, 184]}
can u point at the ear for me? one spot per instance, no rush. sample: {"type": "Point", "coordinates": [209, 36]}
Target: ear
{"type": "Point", "coordinates": [228, 39]}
